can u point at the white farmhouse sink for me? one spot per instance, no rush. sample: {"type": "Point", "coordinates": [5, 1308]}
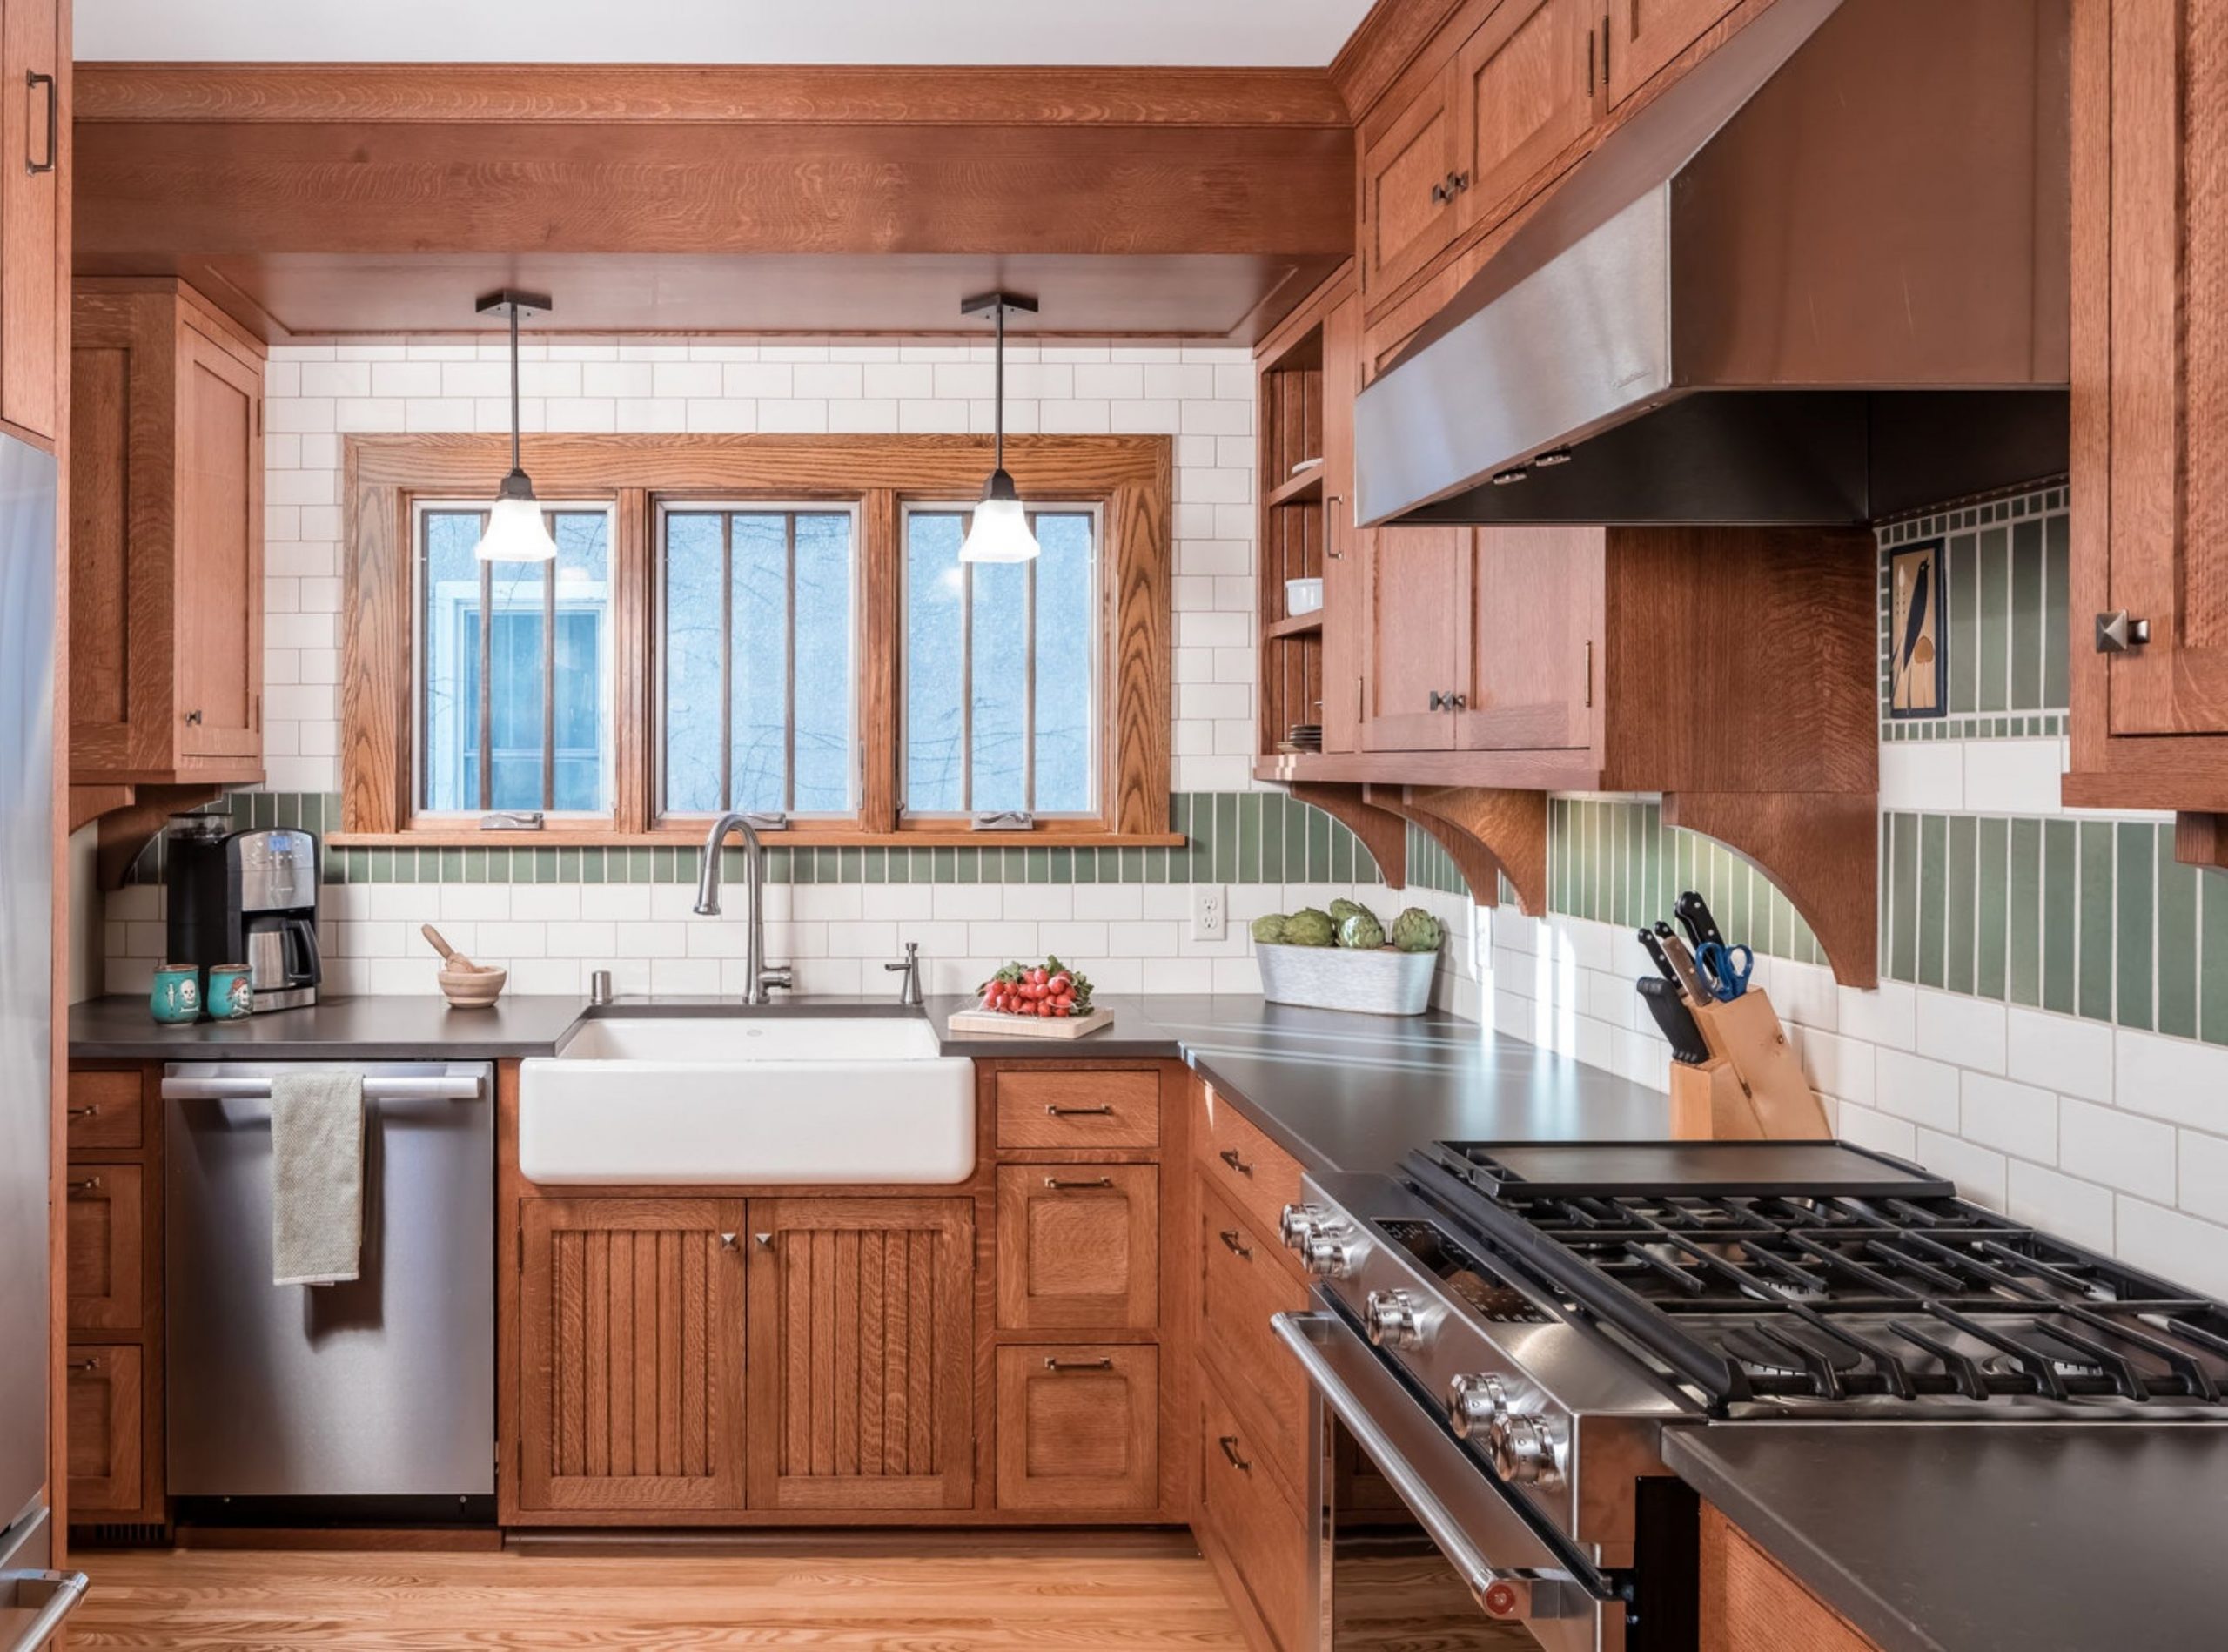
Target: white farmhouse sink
{"type": "Point", "coordinates": [778, 1098]}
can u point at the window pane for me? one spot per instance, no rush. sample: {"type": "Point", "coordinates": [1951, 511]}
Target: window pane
{"type": "Point", "coordinates": [825, 672]}
{"type": "Point", "coordinates": [933, 678]}
{"type": "Point", "coordinates": [514, 675]}
{"type": "Point", "coordinates": [999, 689]}
{"type": "Point", "coordinates": [583, 709]}
{"type": "Point", "coordinates": [449, 663]}
{"type": "Point", "coordinates": [760, 634]}
{"type": "Point", "coordinates": [692, 662]}
{"type": "Point", "coordinates": [1064, 591]}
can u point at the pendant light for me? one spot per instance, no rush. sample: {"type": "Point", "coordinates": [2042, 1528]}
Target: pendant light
{"type": "Point", "coordinates": [1000, 532]}
{"type": "Point", "coordinates": [516, 532]}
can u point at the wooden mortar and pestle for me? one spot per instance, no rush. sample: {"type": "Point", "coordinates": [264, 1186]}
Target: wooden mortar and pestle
{"type": "Point", "coordinates": [467, 985]}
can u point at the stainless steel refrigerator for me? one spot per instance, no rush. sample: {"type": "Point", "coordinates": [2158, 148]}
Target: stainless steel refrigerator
{"type": "Point", "coordinates": [32, 1599]}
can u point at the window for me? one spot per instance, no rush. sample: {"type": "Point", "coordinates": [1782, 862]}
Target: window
{"type": "Point", "coordinates": [758, 690]}
{"type": "Point", "coordinates": [1000, 671]}
{"type": "Point", "coordinates": [778, 624]}
{"type": "Point", "coordinates": [513, 668]}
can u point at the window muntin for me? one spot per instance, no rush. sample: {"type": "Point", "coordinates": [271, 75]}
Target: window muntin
{"type": "Point", "coordinates": [1000, 674]}
{"type": "Point", "coordinates": [758, 685]}
{"type": "Point", "coordinates": [514, 700]}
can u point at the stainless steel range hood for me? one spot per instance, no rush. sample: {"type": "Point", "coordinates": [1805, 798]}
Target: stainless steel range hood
{"type": "Point", "coordinates": [1821, 279]}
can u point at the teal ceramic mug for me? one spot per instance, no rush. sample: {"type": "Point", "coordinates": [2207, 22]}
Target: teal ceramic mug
{"type": "Point", "coordinates": [231, 991]}
{"type": "Point", "coordinates": [177, 994]}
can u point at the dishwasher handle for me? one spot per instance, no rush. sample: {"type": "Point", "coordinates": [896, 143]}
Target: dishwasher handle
{"type": "Point", "coordinates": [446, 1087]}
{"type": "Point", "coordinates": [49, 1597]}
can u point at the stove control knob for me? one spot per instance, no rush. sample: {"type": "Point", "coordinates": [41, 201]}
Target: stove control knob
{"type": "Point", "coordinates": [1526, 1450]}
{"type": "Point", "coordinates": [1475, 1403]}
{"type": "Point", "coordinates": [1300, 1223]}
{"type": "Point", "coordinates": [1325, 1255]}
{"type": "Point", "coordinates": [1390, 1318]}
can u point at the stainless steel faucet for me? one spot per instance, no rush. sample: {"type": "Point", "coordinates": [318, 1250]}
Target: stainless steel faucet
{"type": "Point", "coordinates": [909, 990]}
{"type": "Point", "coordinates": [762, 979]}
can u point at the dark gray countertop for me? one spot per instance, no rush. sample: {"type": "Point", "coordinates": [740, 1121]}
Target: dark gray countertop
{"type": "Point", "coordinates": [1986, 1537]}
{"type": "Point", "coordinates": [374, 1029]}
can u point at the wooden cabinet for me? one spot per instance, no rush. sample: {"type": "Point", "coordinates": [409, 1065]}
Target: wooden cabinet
{"type": "Point", "coordinates": [1644, 34]}
{"type": "Point", "coordinates": [1750, 1604]}
{"type": "Point", "coordinates": [631, 1317]}
{"type": "Point", "coordinates": [1343, 578]}
{"type": "Point", "coordinates": [2150, 458]}
{"type": "Point", "coordinates": [106, 1411]}
{"type": "Point", "coordinates": [166, 540]}
{"type": "Point", "coordinates": [1240, 1288]}
{"type": "Point", "coordinates": [1251, 1171]}
{"type": "Point", "coordinates": [106, 1246]}
{"type": "Point", "coordinates": [1406, 174]}
{"type": "Point", "coordinates": [1249, 1528]}
{"type": "Point", "coordinates": [1078, 1428]}
{"type": "Point", "coordinates": [1526, 86]}
{"type": "Point", "coordinates": [34, 239]}
{"type": "Point", "coordinates": [1078, 1245]}
{"type": "Point", "coordinates": [1084, 1108]}
{"type": "Point", "coordinates": [103, 1110]}
{"type": "Point", "coordinates": [861, 1353]}
{"type": "Point", "coordinates": [1535, 603]}
{"type": "Point", "coordinates": [1416, 636]}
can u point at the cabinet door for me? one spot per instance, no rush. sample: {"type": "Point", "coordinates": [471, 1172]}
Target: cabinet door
{"type": "Point", "coordinates": [631, 1363]}
{"type": "Point", "coordinates": [1644, 34]}
{"type": "Point", "coordinates": [31, 116]}
{"type": "Point", "coordinates": [1407, 205]}
{"type": "Point", "coordinates": [2168, 366]}
{"type": "Point", "coordinates": [1078, 1247]}
{"type": "Point", "coordinates": [1418, 635]}
{"type": "Point", "coordinates": [1525, 86]}
{"type": "Point", "coordinates": [1252, 1531]}
{"type": "Point", "coordinates": [1343, 586]}
{"type": "Point", "coordinates": [220, 550]}
{"type": "Point", "coordinates": [105, 1407]}
{"type": "Point", "coordinates": [863, 1348]}
{"type": "Point", "coordinates": [105, 1230]}
{"type": "Point", "coordinates": [1536, 616]}
{"type": "Point", "coordinates": [1079, 1429]}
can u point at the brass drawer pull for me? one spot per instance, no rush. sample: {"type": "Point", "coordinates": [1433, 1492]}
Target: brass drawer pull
{"type": "Point", "coordinates": [1054, 1109]}
{"type": "Point", "coordinates": [84, 1184]}
{"type": "Point", "coordinates": [1054, 1363]}
{"type": "Point", "coordinates": [1229, 1156]}
{"type": "Point", "coordinates": [91, 1110]}
{"type": "Point", "coordinates": [1079, 1181]}
{"type": "Point", "coordinates": [91, 1363]}
{"type": "Point", "coordinates": [1229, 1444]}
{"type": "Point", "coordinates": [1232, 1244]}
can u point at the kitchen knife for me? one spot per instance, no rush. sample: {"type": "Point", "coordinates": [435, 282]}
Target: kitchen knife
{"type": "Point", "coordinates": [1693, 914]}
{"type": "Point", "coordinates": [1683, 968]}
{"type": "Point", "coordinates": [1656, 950]}
{"type": "Point", "coordinates": [1676, 1021]}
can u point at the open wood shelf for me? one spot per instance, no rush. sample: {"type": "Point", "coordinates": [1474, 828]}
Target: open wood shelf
{"type": "Point", "coordinates": [1298, 625]}
{"type": "Point", "coordinates": [1306, 489]}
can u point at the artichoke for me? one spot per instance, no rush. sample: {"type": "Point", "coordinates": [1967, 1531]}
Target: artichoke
{"type": "Point", "coordinates": [1343, 909]}
{"type": "Point", "coordinates": [1416, 930]}
{"type": "Point", "coordinates": [1362, 931]}
{"type": "Point", "coordinates": [1270, 927]}
{"type": "Point", "coordinates": [1309, 927]}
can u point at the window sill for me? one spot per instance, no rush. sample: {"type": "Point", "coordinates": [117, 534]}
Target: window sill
{"type": "Point", "coordinates": [590, 837]}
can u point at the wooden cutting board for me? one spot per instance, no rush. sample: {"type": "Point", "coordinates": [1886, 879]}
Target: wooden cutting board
{"type": "Point", "coordinates": [992, 1023]}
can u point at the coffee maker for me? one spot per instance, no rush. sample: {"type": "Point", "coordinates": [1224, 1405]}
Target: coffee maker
{"type": "Point", "coordinates": [247, 897]}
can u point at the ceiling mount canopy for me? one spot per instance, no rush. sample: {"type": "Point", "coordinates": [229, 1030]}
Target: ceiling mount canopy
{"type": "Point", "coordinates": [1000, 530]}
{"type": "Point", "coordinates": [516, 532]}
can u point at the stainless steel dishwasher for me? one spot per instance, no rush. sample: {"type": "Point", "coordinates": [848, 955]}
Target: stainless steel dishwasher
{"type": "Point", "coordinates": [372, 1398]}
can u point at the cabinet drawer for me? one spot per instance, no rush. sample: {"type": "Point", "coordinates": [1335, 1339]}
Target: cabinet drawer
{"type": "Point", "coordinates": [1261, 1537]}
{"type": "Point", "coordinates": [1250, 1170]}
{"type": "Point", "coordinates": [105, 1405]}
{"type": "Point", "coordinates": [1078, 1245]}
{"type": "Point", "coordinates": [1094, 1109]}
{"type": "Point", "coordinates": [1078, 1428]}
{"type": "Point", "coordinates": [1239, 1288]}
{"type": "Point", "coordinates": [103, 1111]}
{"type": "Point", "coordinates": [104, 1240]}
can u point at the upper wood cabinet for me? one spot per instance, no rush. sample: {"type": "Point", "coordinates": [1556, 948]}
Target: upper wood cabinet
{"type": "Point", "coordinates": [2150, 460]}
{"type": "Point", "coordinates": [1536, 620]}
{"type": "Point", "coordinates": [1406, 178]}
{"type": "Point", "coordinates": [1343, 575]}
{"type": "Point", "coordinates": [1644, 34]}
{"type": "Point", "coordinates": [165, 539]}
{"type": "Point", "coordinates": [1526, 85]}
{"type": "Point", "coordinates": [34, 216]}
{"type": "Point", "coordinates": [1416, 636]}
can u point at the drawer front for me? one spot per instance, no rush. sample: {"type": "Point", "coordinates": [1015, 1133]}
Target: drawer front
{"type": "Point", "coordinates": [1079, 1429]}
{"type": "Point", "coordinates": [1262, 1537]}
{"type": "Point", "coordinates": [106, 1248]}
{"type": "Point", "coordinates": [105, 1406]}
{"type": "Point", "coordinates": [103, 1111]}
{"type": "Point", "coordinates": [1078, 1247]}
{"type": "Point", "coordinates": [1239, 1288]}
{"type": "Point", "coordinates": [1251, 1170]}
{"type": "Point", "coordinates": [1096, 1108]}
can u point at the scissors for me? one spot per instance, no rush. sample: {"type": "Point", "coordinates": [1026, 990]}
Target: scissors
{"type": "Point", "coordinates": [1727, 967]}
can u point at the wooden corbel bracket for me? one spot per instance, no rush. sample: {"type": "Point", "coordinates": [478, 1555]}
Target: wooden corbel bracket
{"type": "Point", "coordinates": [1479, 870]}
{"type": "Point", "coordinates": [1509, 827]}
{"type": "Point", "coordinates": [1384, 835]}
{"type": "Point", "coordinates": [2201, 839]}
{"type": "Point", "coordinates": [1819, 849]}
{"type": "Point", "coordinates": [126, 832]}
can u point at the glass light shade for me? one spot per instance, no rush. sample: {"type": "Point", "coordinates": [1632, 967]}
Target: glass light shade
{"type": "Point", "coordinates": [516, 532]}
{"type": "Point", "coordinates": [1000, 532]}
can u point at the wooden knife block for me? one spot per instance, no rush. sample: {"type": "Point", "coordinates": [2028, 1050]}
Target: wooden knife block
{"type": "Point", "coordinates": [1752, 1087]}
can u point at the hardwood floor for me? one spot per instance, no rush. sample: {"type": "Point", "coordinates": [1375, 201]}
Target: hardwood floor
{"type": "Point", "coordinates": [1077, 1594]}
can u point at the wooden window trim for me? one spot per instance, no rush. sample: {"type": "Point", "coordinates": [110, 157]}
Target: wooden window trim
{"type": "Point", "coordinates": [1130, 477]}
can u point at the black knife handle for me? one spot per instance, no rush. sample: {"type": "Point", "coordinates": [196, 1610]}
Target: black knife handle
{"type": "Point", "coordinates": [1656, 950]}
{"type": "Point", "coordinates": [1693, 914]}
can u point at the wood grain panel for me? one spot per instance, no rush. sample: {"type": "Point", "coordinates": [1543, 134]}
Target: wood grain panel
{"type": "Point", "coordinates": [1538, 596]}
{"type": "Point", "coordinates": [103, 1110]}
{"type": "Point", "coordinates": [1077, 1107]}
{"type": "Point", "coordinates": [1750, 1604]}
{"type": "Point", "coordinates": [1416, 638]}
{"type": "Point", "coordinates": [104, 1425]}
{"type": "Point", "coordinates": [1239, 1288]}
{"type": "Point", "coordinates": [107, 1242]}
{"type": "Point", "coordinates": [1078, 1245]}
{"type": "Point", "coordinates": [1251, 1525]}
{"type": "Point", "coordinates": [1481, 871]}
{"type": "Point", "coordinates": [100, 617]}
{"type": "Point", "coordinates": [1820, 850]}
{"type": "Point", "coordinates": [220, 540]}
{"type": "Point", "coordinates": [1389, 37]}
{"type": "Point", "coordinates": [1247, 1168]}
{"type": "Point", "coordinates": [33, 45]}
{"type": "Point", "coordinates": [1510, 825]}
{"type": "Point", "coordinates": [1407, 212]}
{"type": "Point", "coordinates": [1645, 35]}
{"type": "Point", "coordinates": [1078, 1428]}
{"type": "Point", "coordinates": [862, 1354]}
{"type": "Point", "coordinates": [632, 1332]}
{"type": "Point", "coordinates": [1527, 88]}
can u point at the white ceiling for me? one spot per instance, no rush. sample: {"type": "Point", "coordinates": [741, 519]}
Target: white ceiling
{"type": "Point", "coordinates": [1213, 32]}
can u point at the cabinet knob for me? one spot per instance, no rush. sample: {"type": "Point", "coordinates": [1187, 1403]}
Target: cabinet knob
{"type": "Point", "coordinates": [1438, 701]}
{"type": "Point", "coordinates": [727, 1241]}
{"type": "Point", "coordinates": [1230, 1157]}
{"type": "Point", "coordinates": [1457, 182]}
{"type": "Point", "coordinates": [1457, 701]}
{"type": "Point", "coordinates": [2117, 633]}
{"type": "Point", "coordinates": [193, 718]}
{"type": "Point", "coordinates": [1438, 195]}
{"type": "Point", "coordinates": [1229, 1444]}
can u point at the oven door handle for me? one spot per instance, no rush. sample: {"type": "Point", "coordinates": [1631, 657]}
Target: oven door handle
{"type": "Point", "coordinates": [1501, 1594]}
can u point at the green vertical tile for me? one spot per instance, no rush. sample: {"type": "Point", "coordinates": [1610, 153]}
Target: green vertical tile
{"type": "Point", "coordinates": [1993, 620]}
{"type": "Point", "coordinates": [1063, 869]}
{"type": "Point", "coordinates": [2061, 915]}
{"type": "Point", "coordinates": [1224, 870]}
{"type": "Point", "coordinates": [1248, 837]}
{"type": "Point", "coordinates": [286, 808]}
{"type": "Point", "coordinates": [1964, 904]}
{"type": "Point", "coordinates": [2094, 997]}
{"type": "Point", "coordinates": [1345, 852]}
{"type": "Point", "coordinates": [2176, 908]}
{"type": "Point", "coordinates": [1652, 901]}
{"type": "Point", "coordinates": [2056, 595]}
{"type": "Point", "coordinates": [1589, 862]}
{"type": "Point", "coordinates": [1273, 805]}
{"type": "Point", "coordinates": [1962, 591]}
{"type": "Point", "coordinates": [638, 866]}
{"type": "Point", "coordinates": [2132, 930]}
{"type": "Point", "coordinates": [2027, 615]}
{"type": "Point", "coordinates": [1991, 875]}
{"type": "Point", "coordinates": [1902, 897]}
{"type": "Point", "coordinates": [1933, 897]}
{"type": "Point", "coordinates": [2212, 981]}
{"type": "Point", "coordinates": [1133, 865]}
{"type": "Point", "coordinates": [1635, 895]}
{"type": "Point", "coordinates": [1318, 846]}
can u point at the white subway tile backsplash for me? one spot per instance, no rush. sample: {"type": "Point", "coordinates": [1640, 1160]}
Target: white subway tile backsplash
{"type": "Point", "coordinates": [2061, 1053]}
{"type": "Point", "coordinates": [2102, 1144]}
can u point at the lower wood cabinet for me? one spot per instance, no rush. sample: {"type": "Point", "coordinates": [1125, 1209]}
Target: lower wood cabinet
{"type": "Point", "coordinates": [1078, 1428]}
{"type": "Point", "coordinates": [1240, 1287]}
{"type": "Point", "coordinates": [1749, 1604]}
{"type": "Point", "coordinates": [1078, 1247]}
{"type": "Point", "coordinates": [1250, 1529]}
{"type": "Point", "coordinates": [106, 1244]}
{"type": "Point", "coordinates": [106, 1411]}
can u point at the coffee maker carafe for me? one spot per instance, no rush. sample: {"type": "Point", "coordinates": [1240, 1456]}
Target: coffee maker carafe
{"type": "Point", "coordinates": [248, 897]}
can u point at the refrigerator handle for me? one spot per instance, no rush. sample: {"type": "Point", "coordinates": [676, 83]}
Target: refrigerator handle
{"type": "Point", "coordinates": [47, 1596]}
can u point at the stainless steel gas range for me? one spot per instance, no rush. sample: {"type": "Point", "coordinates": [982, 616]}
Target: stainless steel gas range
{"type": "Point", "coordinates": [1503, 1331]}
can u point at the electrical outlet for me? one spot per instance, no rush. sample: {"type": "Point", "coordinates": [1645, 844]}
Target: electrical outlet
{"type": "Point", "coordinates": [1209, 913]}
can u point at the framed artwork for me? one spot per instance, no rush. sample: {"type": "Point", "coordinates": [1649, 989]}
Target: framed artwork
{"type": "Point", "coordinates": [1918, 668]}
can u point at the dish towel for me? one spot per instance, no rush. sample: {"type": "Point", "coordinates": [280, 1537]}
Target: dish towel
{"type": "Point", "coordinates": [317, 1176]}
